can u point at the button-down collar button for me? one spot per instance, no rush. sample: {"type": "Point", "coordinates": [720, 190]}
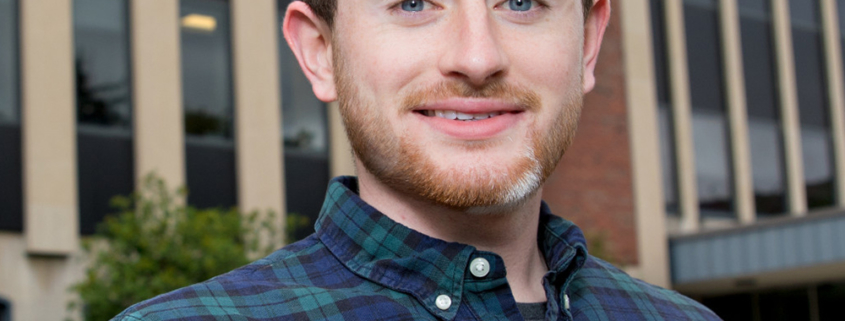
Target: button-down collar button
{"type": "Point", "coordinates": [566, 301]}
{"type": "Point", "coordinates": [479, 267]}
{"type": "Point", "coordinates": [443, 302]}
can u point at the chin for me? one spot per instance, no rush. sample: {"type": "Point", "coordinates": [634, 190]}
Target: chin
{"type": "Point", "coordinates": [483, 189]}
{"type": "Point", "coordinates": [503, 208]}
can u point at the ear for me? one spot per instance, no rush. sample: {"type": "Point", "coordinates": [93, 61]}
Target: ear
{"type": "Point", "coordinates": [594, 26]}
{"type": "Point", "coordinates": [309, 37]}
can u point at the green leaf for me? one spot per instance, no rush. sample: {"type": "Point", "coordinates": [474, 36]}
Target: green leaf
{"type": "Point", "coordinates": [154, 244]}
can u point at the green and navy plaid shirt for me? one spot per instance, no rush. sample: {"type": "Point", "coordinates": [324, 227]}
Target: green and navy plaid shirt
{"type": "Point", "coordinates": [361, 265]}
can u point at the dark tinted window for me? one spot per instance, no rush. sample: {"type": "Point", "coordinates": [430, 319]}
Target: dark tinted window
{"type": "Point", "coordinates": [206, 68]}
{"type": "Point", "coordinates": [709, 119]}
{"type": "Point", "coordinates": [812, 103]}
{"type": "Point", "coordinates": [664, 110]}
{"type": "Point", "coordinates": [831, 297]}
{"type": "Point", "coordinates": [101, 38]}
{"type": "Point", "coordinates": [9, 110]}
{"type": "Point", "coordinates": [104, 106]}
{"type": "Point", "coordinates": [208, 103]}
{"type": "Point", "coordinates": [785, 305]}
{"type": "Point", "coordinates": [736, 307]}
{"type": "Point", "coordinates": [11, 188]}
{"type": "Point", "coordinates": [764, 131]}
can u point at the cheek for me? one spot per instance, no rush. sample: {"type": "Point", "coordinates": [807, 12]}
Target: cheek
{"type": "Point", "coordinates": [550, 59]}
{"type": "Point", "coordinates": [552, 69]}
{"type": "Point", "coordinates": [382, 68]}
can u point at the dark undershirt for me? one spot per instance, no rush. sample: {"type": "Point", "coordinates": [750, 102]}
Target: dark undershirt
{"type": "Point", "coordinates": [532, 311]}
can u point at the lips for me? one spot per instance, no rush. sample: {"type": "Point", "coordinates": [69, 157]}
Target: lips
{"type": "Point", "coordinates": [470, 119]}
{"type": "Point", "coordinates": [456, 115]}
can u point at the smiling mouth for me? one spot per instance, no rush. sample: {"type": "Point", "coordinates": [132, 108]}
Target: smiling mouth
{"type": "Point", "coordinates": [456, 115]}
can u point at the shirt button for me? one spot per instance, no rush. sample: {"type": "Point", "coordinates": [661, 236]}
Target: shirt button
{"type": "Point", "coordinates": [479, 267]}
{"type": "Point", "coordinates": [443, 302]}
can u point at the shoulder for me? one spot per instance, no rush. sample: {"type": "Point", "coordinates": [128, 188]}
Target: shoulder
{"type": "Point", "coordinates": [278, 284]}
{"type": "Point", "coordinates": [601, 291]}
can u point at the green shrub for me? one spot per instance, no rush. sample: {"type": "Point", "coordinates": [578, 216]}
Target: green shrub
{"type": "Point", "coordinates": [156, 244]}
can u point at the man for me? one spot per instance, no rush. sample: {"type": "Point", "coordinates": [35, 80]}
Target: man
{"type": "Point", "coordinates": [457, 111]}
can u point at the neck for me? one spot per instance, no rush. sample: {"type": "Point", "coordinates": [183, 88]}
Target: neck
{"type": "Point", "coordinates": [511, 234]}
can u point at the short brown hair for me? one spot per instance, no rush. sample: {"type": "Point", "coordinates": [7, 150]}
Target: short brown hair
{"type": "Point", "coordinates": [325, 8]}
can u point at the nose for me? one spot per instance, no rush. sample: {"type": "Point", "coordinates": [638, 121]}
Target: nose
{"type": "Point", "coordinates": [474, 53]}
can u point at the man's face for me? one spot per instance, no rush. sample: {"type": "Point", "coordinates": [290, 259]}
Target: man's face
{"type": "Point", "coordinates": [464, 103]}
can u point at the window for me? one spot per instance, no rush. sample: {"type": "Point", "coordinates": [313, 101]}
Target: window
{"type": "Point", "coordinates": [305, 136]}
{"type": "Point", "coordinates": [785, 304]}
{"type": "Point", "coordinates": [830, 300]}
{"type": "Point", "coordinates": [664, 110]}
{"type": "Point", "coordinates": [812, 103]}
{"type": "Point", "coordinates": [101, 38]}
{"type": "Point", "coordinates": [709, 119]}
{"type": "Point", "coordinates": [11, 181]}
{"type": "Point", "coordinates": [764, 121]}
{"type": "Point", "coordinates": [9, 111]}
{"type": "Point", "coordinates": [208, 103]}
{"type": "Point", "coordinates": [103, 107]}
{"type": "Point", "coordinates": [810, 302]}
{"type": "Point", "coordinates": [733, 307]}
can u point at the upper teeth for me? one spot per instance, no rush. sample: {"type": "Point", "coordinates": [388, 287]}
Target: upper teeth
{"type": "Point", "coordinates": [451, 114]}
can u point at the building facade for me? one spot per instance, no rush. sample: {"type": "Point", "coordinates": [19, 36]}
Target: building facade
{"type": "Point", "coordinates": [710, 157]}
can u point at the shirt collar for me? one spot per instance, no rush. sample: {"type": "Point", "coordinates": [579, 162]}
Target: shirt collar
{"type": "Point", "coordinates": [383, 251]}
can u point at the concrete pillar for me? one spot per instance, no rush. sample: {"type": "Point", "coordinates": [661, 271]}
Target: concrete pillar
{"type": "Point", "coordinates": [255, 35]}
{"type": "Point", "coordinates": [51, 218]}
{"type": "Point", "coordinates": [157, 91]}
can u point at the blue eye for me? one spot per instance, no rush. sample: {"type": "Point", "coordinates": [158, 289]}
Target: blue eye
{"type": "Point", "coordinates": [413, 5]}
{"type": "Point", "coordinates": [520, 5]}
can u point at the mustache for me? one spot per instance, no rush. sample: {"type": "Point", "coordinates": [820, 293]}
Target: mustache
{"type": "Point", "coordinates": [498, 90]}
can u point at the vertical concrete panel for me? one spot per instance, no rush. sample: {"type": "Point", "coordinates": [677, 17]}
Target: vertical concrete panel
{"type": "Point", "coordinates": [702, 258]}
{"type": "Point", "coordinates": [681, 114]}
{"type": "Point", "coordinates": [735, 87]}
{"type": "Point", "coordinates": [771, 249]}
{"type": "Point", "coordinates": [788, 96]}
{"type": "Point", "coordinates": [688, 257]}
{"type": "Point", "coordinates": [157, 91]}
{"type": "Point", "coordinates": [826, 241]}
{"type": "Point", "coordinates": [753, 258]}
{"type": "Point", "coordinates": [718, 253]}
{"type": "Point", "coordinates": [809, 241]}
{"type": "Point", "coordinates": [679, 265]}
{"type": "Point", "coordinates": [839, 240]}
{"type": "Point", "coordinates": [257, 106]}
{"type": "Point", "coordinates": [736, 255]}
{"type": "Point", "coordinates": [341, 161]}
{"type": "Point", "coordinates": [652, 247]}
{"type": "Point", "coordinates": [789, 248]}
{"type": "Point", "coordinates": [37, 287]}
{"type": "Point", "coordinates": [835, 85]}
{"type": "Point", "coordinates": [48, 127]}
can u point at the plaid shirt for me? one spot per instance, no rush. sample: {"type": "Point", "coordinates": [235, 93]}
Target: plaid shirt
{"type": "Point", "coordinates": [361, 265]}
